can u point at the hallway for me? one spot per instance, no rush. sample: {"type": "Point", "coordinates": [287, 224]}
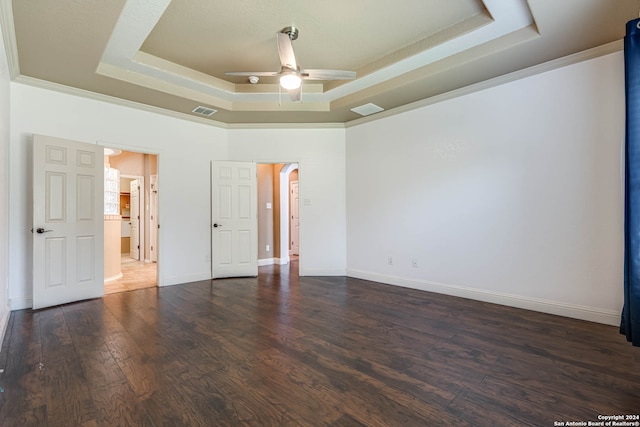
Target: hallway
{"type": "Point", "coordinates": [135, 275]}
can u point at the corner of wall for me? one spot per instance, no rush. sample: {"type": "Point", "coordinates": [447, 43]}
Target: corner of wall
{"type": "Point", "coordinates": [4, 322]}
{"type": "Point", "coordinates": [5, 125]}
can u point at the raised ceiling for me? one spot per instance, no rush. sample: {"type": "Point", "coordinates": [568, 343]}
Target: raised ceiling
{"type": "Point", "coordinates": [173, 54]}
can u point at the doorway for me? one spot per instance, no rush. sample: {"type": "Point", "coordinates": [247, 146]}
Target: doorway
{"type": "Point", "coordinates": [274, 213]}
{"type": "Point", "coordinates": [288, 174]}
{"type": "Point", "coordinates": [131, 245]}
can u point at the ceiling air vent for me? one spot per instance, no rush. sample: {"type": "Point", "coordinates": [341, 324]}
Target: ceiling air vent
{"type": "Point", "coordinates": [205, 111]}
{"type": "Point", "coordinates": [367, 109]}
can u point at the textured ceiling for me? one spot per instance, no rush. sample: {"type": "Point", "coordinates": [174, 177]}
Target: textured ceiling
{"type": "Point", "coordinates": [173, 54]}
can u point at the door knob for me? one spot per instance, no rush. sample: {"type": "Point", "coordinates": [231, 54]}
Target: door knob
{"type": "Point", "coordinates": [216, 225]}
{"type": "Point", "coordinates": [41, 230]}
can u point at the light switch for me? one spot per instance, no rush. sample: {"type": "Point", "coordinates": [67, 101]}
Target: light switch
{"type": "Point", "coordinates": [268, 205]}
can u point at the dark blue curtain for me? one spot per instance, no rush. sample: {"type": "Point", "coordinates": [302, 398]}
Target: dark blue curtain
{"type": "Point", "coordinates": [630, 323]}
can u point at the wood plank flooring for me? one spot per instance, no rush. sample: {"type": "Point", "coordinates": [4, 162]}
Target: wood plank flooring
{"type": "Point", "coordinates": [279, 350]}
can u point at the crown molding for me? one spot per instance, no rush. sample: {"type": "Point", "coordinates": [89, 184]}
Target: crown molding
{"type": "Point", "coordinates": [9, 37]}
{"type": "Point", "coordinates": [57, 87]}
{"type": "Point", "coordinates": [259, 126]}
{"type": "Point", "coordinates": [596, 52]}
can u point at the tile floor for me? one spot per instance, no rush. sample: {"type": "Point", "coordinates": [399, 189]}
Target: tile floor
{"type": "Point", "coordinates": [135, 275]}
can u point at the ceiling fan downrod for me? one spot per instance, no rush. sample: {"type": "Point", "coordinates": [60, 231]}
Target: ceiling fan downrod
{"type": "Point", "coordinates": [292, 32]}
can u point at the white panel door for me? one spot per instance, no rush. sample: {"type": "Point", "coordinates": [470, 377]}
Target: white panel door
{"type": "Point", "coordinates": [234, 211]}
{"type": "Point", "coordinates": [153, 220]}
{"type": "Point", "coordinates": [134, 239]}
{"type": "Point", "coordinates": [68, 221]}
{"type": "Point", "coordinates": [295, 219]}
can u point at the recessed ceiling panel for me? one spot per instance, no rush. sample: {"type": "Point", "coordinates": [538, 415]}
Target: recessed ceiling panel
{"type": "Point", "coordinates": [218, 36]}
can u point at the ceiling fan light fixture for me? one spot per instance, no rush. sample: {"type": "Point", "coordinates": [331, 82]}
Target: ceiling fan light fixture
{"type": "Point", "coordinates": [290, 80]}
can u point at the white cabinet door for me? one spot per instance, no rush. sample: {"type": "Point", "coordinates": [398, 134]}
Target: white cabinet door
{"type": "Point", "coordinates": [68, 221]}
{"type": "Point", "coordinates": [234, 211]}
{"type": "Point", "coordinates": [134, 239]}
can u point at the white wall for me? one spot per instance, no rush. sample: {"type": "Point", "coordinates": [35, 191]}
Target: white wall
{"type": "Point", "coordinates": [511, 195]}
{"type": "Point", "coordinates": [185, 149]}
{"type": "Point", "coordinates": [321, 156]}
{"type": "Point", "coordinates": [5, 119]}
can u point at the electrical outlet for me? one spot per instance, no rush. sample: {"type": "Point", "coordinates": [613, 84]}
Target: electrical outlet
{"type": "Point", "coordinates": [414, 263]}
{"type": "Point", "coordinates": [268, 248]}
{"type": "Point", "coordinates": [390, 260]}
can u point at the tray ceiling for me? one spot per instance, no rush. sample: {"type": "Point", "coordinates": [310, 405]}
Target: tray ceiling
{"type": "Point", "coordinates": [173, 54]}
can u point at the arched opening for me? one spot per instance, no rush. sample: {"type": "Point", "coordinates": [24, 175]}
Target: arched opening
{"type": "Point", "coordinates": [286, 170]}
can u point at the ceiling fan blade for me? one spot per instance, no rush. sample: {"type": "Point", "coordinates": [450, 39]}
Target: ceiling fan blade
{"type": "Point", "coordinates": [295, 94]}
{"type": "Point", "coordinates": [252, 73]}
{"type": "Point", "coordinates": [285, 49]}
{"type": "Point", "coordinates": [310, 74]}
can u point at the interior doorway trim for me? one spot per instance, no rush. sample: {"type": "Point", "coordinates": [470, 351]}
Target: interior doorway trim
{"type": "Point", "coordinates": [159, 155]}
{"type": "Point", "coordinates": [286, 170]}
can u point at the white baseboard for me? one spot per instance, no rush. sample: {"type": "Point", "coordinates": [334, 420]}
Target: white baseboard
{"type": "Point", "coordinates": [4, 321]}
{"type": "Point", "coordinates": [318, 272]}
{"type": "Point", "coordinates": [591, 314]}
{"type": "Point", "coordinates": [20, 303]}
{"type": "Point", "coordinates": [272, 261]}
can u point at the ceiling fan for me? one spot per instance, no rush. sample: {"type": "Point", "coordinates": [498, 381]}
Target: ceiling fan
{"type": "Point", "coordinates": [291, 75]}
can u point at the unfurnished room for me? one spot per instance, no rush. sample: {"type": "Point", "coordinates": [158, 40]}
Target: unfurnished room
{"type": "Point", "coordinates": [334, 213]}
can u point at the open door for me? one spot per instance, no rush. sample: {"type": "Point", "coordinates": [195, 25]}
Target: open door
{"type": "Point", "coordinates": [134, 241]}
{"type": "Point", "coordinates": [153, 221]}
{"type": "Point", "coordinates": [68, 221]}
{"type": "Point", "coordinates": [234, 212]}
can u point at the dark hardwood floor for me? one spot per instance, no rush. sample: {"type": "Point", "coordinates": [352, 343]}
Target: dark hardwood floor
{"type": "Point", "coordinates": [281, 350]}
